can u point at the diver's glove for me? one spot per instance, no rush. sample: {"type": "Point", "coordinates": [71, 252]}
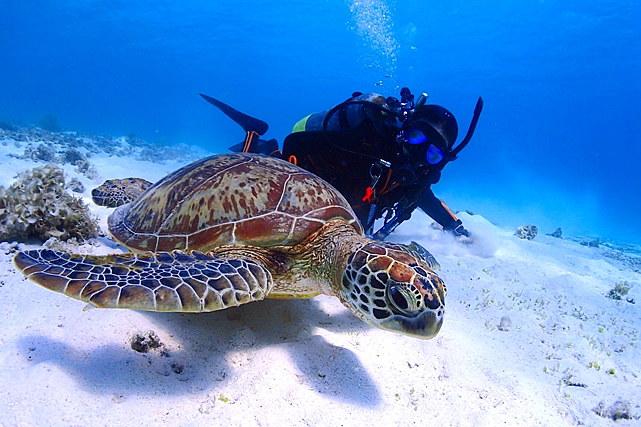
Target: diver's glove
{"type": "Point", "coordinates": [459, 230]}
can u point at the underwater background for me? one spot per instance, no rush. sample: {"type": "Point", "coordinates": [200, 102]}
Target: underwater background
{"type": "Point", "coordinates": [558, 143]}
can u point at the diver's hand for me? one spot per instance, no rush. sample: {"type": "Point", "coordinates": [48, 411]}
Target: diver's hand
{"type": "Point", "coordinates": [462, 235]}
{"type": "Point", "coordinates": [461, 231]}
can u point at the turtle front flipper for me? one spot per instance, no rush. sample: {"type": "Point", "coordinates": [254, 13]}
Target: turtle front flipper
{"type": "Point", "coordinates": [117, 192]}
{"type": "Point", "coordinates": [167, 281]}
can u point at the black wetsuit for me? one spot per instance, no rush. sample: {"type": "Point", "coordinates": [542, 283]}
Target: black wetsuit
{"type": "Point", "coordinates": [342, 145]}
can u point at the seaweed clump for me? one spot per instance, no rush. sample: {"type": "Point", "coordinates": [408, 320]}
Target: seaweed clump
{"type": "Point", "coordinates": [620, 291]}
{"type": "Point", "coordinates": [37, 206]}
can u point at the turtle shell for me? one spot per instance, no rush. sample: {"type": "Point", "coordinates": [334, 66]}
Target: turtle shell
{"type": "Point", "coordinates": [241, 199]}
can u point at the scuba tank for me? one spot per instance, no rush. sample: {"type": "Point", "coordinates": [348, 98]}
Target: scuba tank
{"type": "Point", "coordinates": [391, 144]}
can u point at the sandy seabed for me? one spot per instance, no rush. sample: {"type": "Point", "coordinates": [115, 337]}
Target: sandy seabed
{"type": "Point", "coordinates": [530, 338]}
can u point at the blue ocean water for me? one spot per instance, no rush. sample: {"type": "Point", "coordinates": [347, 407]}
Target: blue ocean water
{"type": "Point", "coordinates": [559, 142]}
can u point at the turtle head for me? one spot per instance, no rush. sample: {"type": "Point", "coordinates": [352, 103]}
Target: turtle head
{"type": "Point", "coordinates": [394, 287]}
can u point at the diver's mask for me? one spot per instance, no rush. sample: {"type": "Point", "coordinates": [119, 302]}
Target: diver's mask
{"type": "Point", "coordinates": [422, 146]}
{"type": "Point", "coordinates": [428, 136]}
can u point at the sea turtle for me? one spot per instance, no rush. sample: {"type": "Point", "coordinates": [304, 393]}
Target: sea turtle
{"type": "Point", "coordinates": [116, 192]}
{"type": "Point", "coordinates": [236, 228]}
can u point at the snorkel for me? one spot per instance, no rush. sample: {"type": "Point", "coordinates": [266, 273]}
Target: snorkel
{"type": "Point", "coordinates": [436, 127]}
{"type": "Point", "coordinates": [470, 130]}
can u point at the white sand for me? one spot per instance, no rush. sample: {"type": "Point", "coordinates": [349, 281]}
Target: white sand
{"type": "Point", "coordinates": [311, 363]}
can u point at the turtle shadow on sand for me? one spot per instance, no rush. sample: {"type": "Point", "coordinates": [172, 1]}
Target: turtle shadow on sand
{"type": "Point", "coordinates": [215, 349]}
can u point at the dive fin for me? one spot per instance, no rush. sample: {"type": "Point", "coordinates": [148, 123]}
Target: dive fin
{"type": "Point", "coordinates": [248, 123]}
{"type": "Point", "coordinates": [237, 148]}
{"type": "Point", "coordinates": [268, 147]}
{"type": "Point", "coordinates": [259, 146]}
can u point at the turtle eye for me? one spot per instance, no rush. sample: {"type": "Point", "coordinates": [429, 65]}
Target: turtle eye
{"type": "Point", "coordinates": [400, 300]}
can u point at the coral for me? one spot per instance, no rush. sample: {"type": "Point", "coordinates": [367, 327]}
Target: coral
{"type": "Point", "coordinates": [75, 185]}
{"type": "Point", "coordinates": [142, 343]}
{"type": "Point", "coordinates": [41, 152]}
{"type": "Point", "coordinates": [619, 291]}
{"type": "Point", "coordinates": [74, 148]}
{"type": "Point", "coordinates": [558, 233]}
{"type": "Point", "coordinates": [37, 206]}
{"type": "Point", "coordinates": [528, 232]}
{"type": "Point", "coordinates": [71, 155]}
{"type": "Point", "coordinates": [46, 151]}
{"type": "Point", "coordinates": [505, 324]}
{"type": "Point", "coordinates": [71, 245]}
{"type": "Point", "coordinates": [594, 243]}
{"type": "Point", "coordinates": [87, 169]}
{"type": "Point", "coordinates": [619, 410]}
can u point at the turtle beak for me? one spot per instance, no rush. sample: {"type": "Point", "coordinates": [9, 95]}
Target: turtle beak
{"type": "Point", "coordinates": [425, 326]}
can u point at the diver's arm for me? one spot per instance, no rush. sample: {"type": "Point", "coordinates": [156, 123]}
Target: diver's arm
{"type": "Point", "coordinates": [439, 211]}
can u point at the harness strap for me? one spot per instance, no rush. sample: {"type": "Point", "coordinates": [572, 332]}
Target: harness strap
{"type": "Point", "coordinates": [449, 211]}
{"type": "Point", "coordinates": [250, 135]}
{"type": "Point", "coordinates": [385, 188]}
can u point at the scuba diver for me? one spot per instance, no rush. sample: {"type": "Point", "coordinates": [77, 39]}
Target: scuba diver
{"type": "Point", "coordinates": [382, 154]}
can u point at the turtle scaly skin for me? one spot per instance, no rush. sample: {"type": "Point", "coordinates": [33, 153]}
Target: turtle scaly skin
{"type": "Point", "coordinates": [232, 229]}
{"type": "Point", "coordinates": [163, 282]}
{"type": "Point", "coordinates": [118, 192]}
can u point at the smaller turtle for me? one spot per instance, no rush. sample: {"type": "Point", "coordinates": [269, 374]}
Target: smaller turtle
{"type": "Point", "coordinates": [233, 229]}
{"type": "Point", "coordinates": [116, 192]}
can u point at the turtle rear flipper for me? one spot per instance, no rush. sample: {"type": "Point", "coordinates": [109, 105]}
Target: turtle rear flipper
{"type": "Point", "coordinates": [167, 281]}
{"type": "Point", "coordinates": [116, 192]}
